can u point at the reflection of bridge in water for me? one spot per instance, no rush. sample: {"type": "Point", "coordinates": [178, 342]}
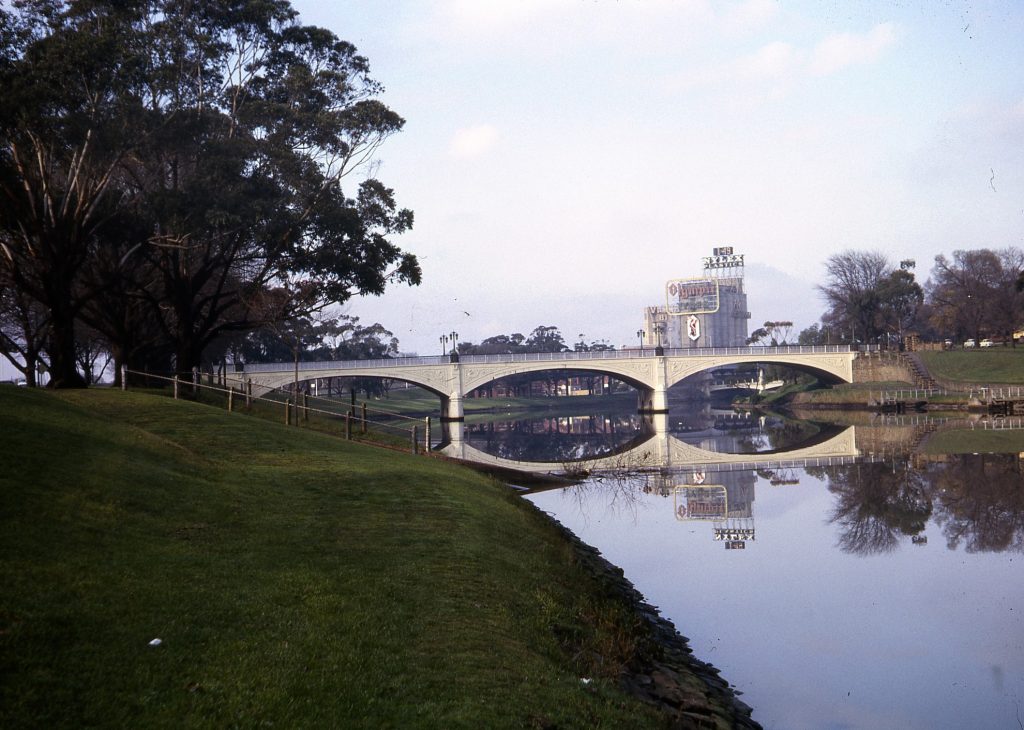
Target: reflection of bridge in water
{"type": "Point", "coordinates": [663, 451]}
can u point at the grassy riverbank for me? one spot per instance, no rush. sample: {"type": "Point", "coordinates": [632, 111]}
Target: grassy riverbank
{"type": "Point", "coordinates": [294, 579]}
{"type": "Point", "coordinates": [989, 365]}
{"type": "Point", "coordinates": [956, 368]}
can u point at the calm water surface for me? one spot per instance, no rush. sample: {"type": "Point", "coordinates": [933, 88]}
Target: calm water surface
{"type": "Point", "coordinates": [887, 593]}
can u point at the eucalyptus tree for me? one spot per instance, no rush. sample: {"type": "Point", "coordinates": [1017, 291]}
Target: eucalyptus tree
{"type": "Point", "coordinates": [68, 120]}
{"type": "Point", "coordinates": [188, 158]}
{"type": "Point", "coordinates": [264, 119]}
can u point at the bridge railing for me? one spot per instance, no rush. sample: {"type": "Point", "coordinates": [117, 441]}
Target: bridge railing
{"type": "Point", "coordinates": [526, 357]}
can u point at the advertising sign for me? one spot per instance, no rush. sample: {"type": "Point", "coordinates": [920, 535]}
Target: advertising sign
{"type": "Point", "coordinates": [706, 502]}
{"type": "Point", "coordinates": [693, 327]}
{"type": "Point", "coordinates": [691, 296]}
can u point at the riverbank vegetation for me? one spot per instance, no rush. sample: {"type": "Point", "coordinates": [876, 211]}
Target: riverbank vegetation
{"type": "Point", "coordinates": [167, 564]}
{"type": "Point", "coordinates": [975, 294]}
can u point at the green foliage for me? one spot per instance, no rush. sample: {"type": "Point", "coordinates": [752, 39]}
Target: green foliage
{"type": "Point", "coordinates": [168, 169]}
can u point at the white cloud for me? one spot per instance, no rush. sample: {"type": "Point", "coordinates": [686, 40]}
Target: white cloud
{"type": "Point", "coordinates": [770, 61]}
{"type": "Point", "coordinates": [847, 49]}
{"type": "Point", "coordinates": [473, 141]}
{"type": "Point", "coordinates": [749, 16]}
{"type": "Point", "coordinates": [776, 63]}
{"type": "Point", "coordinates": [779, 63]}
{"type": "Point", "coordinates": [494, 15]}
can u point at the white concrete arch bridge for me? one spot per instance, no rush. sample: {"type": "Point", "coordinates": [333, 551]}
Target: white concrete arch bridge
{"type": "Point", "coordinates": [652, 373]}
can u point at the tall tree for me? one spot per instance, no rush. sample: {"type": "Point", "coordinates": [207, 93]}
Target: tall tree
{"type": "Point", "coordinates": [224, 130]}
{"type": "Point", "coordinates": [851, 292]}
{"type": "Point", "coordinates": [68, 120]}
{"type": "Point", "coordinates": [545, 339]}
{"type": "Point", "coordinates": [868, 298]}
{"type": "Point", "coordinates": [900, 298]}
{"type": "Point", "coordinates": [975, 293]}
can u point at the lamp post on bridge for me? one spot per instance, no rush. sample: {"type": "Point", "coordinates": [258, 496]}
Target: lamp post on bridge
{"type": "Point", "coordinates": [640, 336]}
{"type": "Point", "coordinates": [659, 329]}
{"type": "Point", "coordinates": [452, 337]}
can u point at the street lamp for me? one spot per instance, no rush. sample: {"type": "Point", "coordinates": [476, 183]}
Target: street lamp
{"type": "Point", "coordinates": [659, 328]}
{"type": "Point", "coordinates": [455, 345]}
{"type": "Point", "coordinates": [640, 335]}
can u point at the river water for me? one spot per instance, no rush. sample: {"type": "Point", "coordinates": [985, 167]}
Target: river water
{"type": "Point", "coordinates": [881, 589]}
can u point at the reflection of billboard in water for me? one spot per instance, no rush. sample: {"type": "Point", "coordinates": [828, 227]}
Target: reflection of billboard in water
{"type": "Point", "coordinates": [691, 296]}
{"type": "Point", "coordinates": [704, 502]}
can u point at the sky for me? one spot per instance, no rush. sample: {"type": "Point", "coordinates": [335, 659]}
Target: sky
{"type": "Point", "coordinates": [565, 158]}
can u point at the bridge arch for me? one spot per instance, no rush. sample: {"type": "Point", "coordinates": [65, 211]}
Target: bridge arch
{"type": "Point", "coordinates": [437, 382]}
{"type": "Point", "coordinates": [477, 378]}
{"type": "Point", "coordinates": [831, 370]}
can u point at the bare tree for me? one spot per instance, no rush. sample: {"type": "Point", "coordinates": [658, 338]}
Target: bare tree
{"type": "Point", "coordinates": [975, 293]}
{"type": "Point", "coordinates": [851, 292]}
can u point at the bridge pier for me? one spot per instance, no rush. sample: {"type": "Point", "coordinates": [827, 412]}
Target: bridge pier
{"type": "Point", "coordinates": [451, 408]}
{"type": "Point", "coordinates": [655, 399]}
{"type": "Point", "coordinates": [652, 401]}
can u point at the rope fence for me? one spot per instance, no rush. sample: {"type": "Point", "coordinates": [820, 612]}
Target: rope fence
{"type": "Point", "coordinates": [297, 408]}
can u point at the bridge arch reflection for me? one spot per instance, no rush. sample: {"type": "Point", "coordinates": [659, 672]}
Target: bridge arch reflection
{"type": "Point", "coordinates": [659, 449]}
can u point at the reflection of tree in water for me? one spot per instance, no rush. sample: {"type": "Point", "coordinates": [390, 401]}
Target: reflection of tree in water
{"type": "Point", "coordinates": [980, 502]}
{"type": "Point", "coordinates": [876, 503]}
{"type": "Point", "coordinates": [555, 439]}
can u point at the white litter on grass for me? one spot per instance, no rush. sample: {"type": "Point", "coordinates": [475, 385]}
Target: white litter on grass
{"type": "Point", "coordinates": [156, 642]}
{"type": "Point", "coordinates": [585, 680]}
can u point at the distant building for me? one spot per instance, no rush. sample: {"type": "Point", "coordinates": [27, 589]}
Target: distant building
{"type": "Point", "coordinates": [706, 311]}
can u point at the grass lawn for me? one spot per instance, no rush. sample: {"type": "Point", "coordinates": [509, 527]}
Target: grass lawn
{"type": "Point", "coordinates": [975, 441]}
{"type": "Point", "coordinates": [293, 578]}
{"type": "Point", "coordinates": [984, 365]}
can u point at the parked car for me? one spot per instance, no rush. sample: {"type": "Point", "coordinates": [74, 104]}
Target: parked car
{"type": "Point", "coordinates": [986, 343]}
{"type": "Point", "coordinates": [969, 343]}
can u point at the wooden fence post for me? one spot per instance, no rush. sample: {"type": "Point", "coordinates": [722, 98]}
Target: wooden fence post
{"type": "Point", "coordinates": [124, 377]}
{"type": "Point", "coordinates": [195, 381]}
{"type": "Point", "coordinates": [287, 411]}
{"type": "Point", "coordinates": [348, 426]}
{"type": "Point", "coordinates": [231, 398]}
{"type": "Point", "coordinates": [305, 407]}
{"type": "Point", "coordinates": [426, 434]}
{"type": "Point", "coordinates": [175, 386]}
{"type": "Point", "coordinates": [248, 393]}
{"type": "Point", "coordinates": [415, 440]}
{"type": "Point", "coordinates": [364, 417]}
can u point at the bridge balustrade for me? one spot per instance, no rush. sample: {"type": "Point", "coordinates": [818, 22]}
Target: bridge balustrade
{"type": "Point", "coordinates": [752, 350]}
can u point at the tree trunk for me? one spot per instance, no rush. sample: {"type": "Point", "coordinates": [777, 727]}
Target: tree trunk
{"type": "Point", "coordinates": [63, 366]}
